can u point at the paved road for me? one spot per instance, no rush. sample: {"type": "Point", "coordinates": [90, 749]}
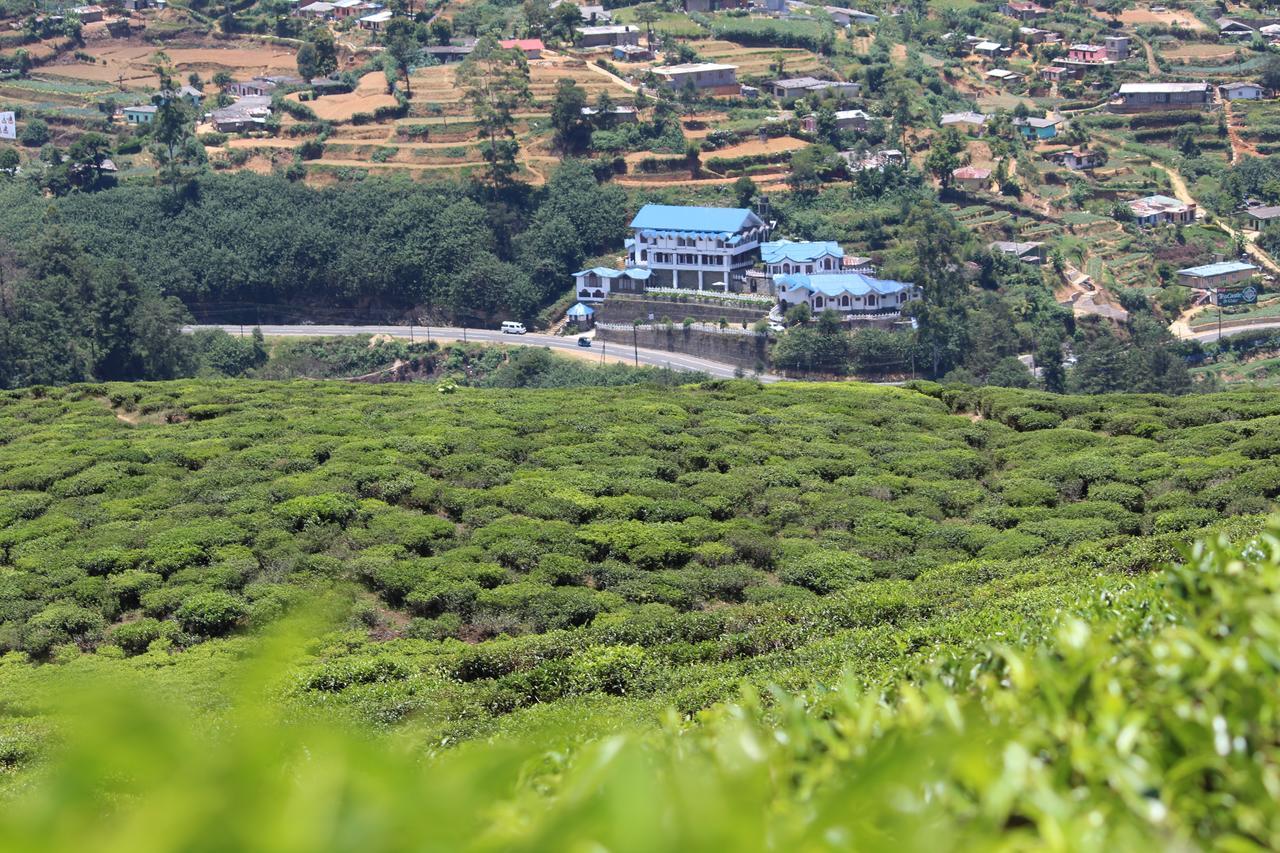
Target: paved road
{"type": "Point", "coordinates": [1227, 331]}
{"type": "Point", "coordinates": [613, 351]}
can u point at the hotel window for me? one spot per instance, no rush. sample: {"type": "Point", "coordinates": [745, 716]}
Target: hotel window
{"type": "Point", "coordinates": [817, 302]}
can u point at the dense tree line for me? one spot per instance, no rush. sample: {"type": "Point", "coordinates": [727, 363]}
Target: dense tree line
{"type": "Point", "coordinates": [275, 248]}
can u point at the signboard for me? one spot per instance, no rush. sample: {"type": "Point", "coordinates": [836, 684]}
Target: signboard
{"type": "Point", "coordinates": [1246, 296]}
{"type": "Point", "coordinates": [8, 126]}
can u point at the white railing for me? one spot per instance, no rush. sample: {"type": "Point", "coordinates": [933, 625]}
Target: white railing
{"type": "Point", "coordinates": [711, 328]}
{"type": "Point", "coordinates": [747, 298]}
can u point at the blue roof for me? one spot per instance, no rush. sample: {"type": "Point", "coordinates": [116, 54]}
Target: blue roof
{"type": "Point", "coordinates": [579, 310]}
{"type": "Point", "coordinates": [787, 250]}
{"type": "Point", "coordinates": [704, 220]}
{"type": "Point", "coordinates": [1221, 268]}
{"type": "Point", "coordinates": [834, 284]}
{"type": "Point", "coordinates": [636, 273]}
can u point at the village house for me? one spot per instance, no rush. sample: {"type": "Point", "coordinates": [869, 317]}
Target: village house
{"type": "Point", "coordinates": [581, 316]}
{"type": "Point", "coordinates": [866, 161]}
{"type": "Point", "coordinates": [990, 49]}
{"type": "Point", "coordinates": [795, 87]}
{"type": "Point", "coordinates": [783, 257]}
{"type": "Point", "coordinates": [1022, 10]}
{"type": "Point", "coordinates": [249, 113]}
{"type": "Point", "coordinates": [1154, 97]}
{"type": "Point", "coordinates": [1161, 210]}
{"type": "Point", "coordinates": [595, 284]}
{"type": "Point", "coordinates": [1215, 276]}
{"type": "Point", "coordinates": [1080, 159]}
{"type": "Point", "coordinates": [262, 86]}
{"type": "Point", "coordinates": [1241, 92]}
{"type": "Point", "coordinates": [967, 122]}
{"type": "Point", "coordinates": [846, 293]}
{"type": "Point", "coordinates": [89, 14]}
{"type": "Point", "coordinates": [845, 17]}
{"type": "Point", "coordinates": [1260, 217]}
{"type": "Point", "coordinates": [631, 53]}
{"type": "Point", "coordinates": [1037, 128]}
{"type": "Point", "coordinates": [696, 248]}
{"type": "Point", "coordinates": [711, 5]}
{"type": "Point", "coordinates": [1035, 35]}
{"type": "Point", "coordinates": [858, 264]}
{"type": "Point", "coordinates": [446, 53]}
{"type": "Point", "coordinates": [531, 48]}
{"type": "Point", "coordinates": [1230, 28]}
{"type": "Point", "coordinates": [318, 9]}
{"type": "Point", "coordinates": [1117, 47]}
{"type": "Point", "coordinates": [1029, 253]}
{"type": "Point", "coordinates": [971, 178]}
{"type": "Point", "coordinates": [140, 114]}
{"type": "Point", "coordinates": [705, 77]}
{"type": "Point", "coordinates": [1056, 74]}
{"type": "Point", "coordinates": [608, 36]}
{"type": "Point", "coordinates": [1004, 75]}
{"type": "Point", "coordinates": [856, 120]}
{"type": "Point", "coordinates": [1089, 54]}
{"type": "Point", "coordinates": [376, 21]}
{"type": "Point", "coordinates": [590, 14]}
{"type": "Point", "coordinates": [615, 115]}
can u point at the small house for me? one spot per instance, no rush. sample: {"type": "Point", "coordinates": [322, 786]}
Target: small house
{"type": "Point", "coordinates": [1037, 128]}
{"type": "Point", "coordinates": [595, 284]}
{"type": "Point", "coordinates": [1004, 75]}
{"type": "Point", "coordinates": [89, 14]}
{"type": "Point", "coordinates": [1232, 29]}
{"type": "Point", "coordinates": [376, 21]}
{"type": "Point", "coordinates": [845, 293]}
{"type": "Point", "coordinates": [968, 122]}
{"type": "Point", "coordinates": [706, 77]}
{"type": "Point", "coordinates": [446, 53]}
{"type": "Point", "coordinates": [989, 49]}
{"type": "Point", "coordinates": [1029, 253]}
{"type": "Point", "coordinates": [1117, 47]}
{"type": "Point", "coordinates": [1081, 159]}
{"type": "Point", "coordinates": [845, 17]}
{"type": "Point", "coordinates": [140, 114]}
{"type": "Point", "coordinates": [631, 53]}
{"type": "Point", "coordinates": [1162, 210]}
{"type": "Point", "coordinates": [971, 178]}
{"type": "Point", "coordinates": [1087, 53]}
{"type": "Point", "coordinates": [783, 257]}
{"type": "Point", "coordinates": [581, 316]}
{"type": "Point", "coordinates": [607, 36]}
{"type": "Point", "coordinates": [1023, 10]}
{"type": "Point", "coordinates": [1241, 92]}
{"type": "Point", "coordinates": [855, 120]}
{"type": "Point", "coordinates": [614, 115]}
{"type": "Point", "coordinates": [1157, 97]}
{"type": "Point", "coordinates": [531, 48]}
{"type": "Point", "coordinates": [318, 9]}
{"type": "Point", "coordinates": [1260, 217]}
{"type": "Point", "coordinates": [1214, 276]}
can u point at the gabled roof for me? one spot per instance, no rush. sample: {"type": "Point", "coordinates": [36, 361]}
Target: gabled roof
{"type": "Point", "coordinates": [963, 118]}
{"type": "Point", "coordinates": [1165, 88]}
{"type": "Point", "coordinates": [1013, 248]}
{"type": "Point", "coordinates": [637, 273]}
{"type": "Point", "coordinates": [522, 44]}
{"type": "Point", "coordinates": [579, 310]}
{"type": "Point", "coordinates": [1221, 268]}
{"type": "Point", "coordinates": [1264, 212]}
{"type": "Point", "coordinates": [378, 17]}
{"type": "Point", "coordinates": [1232, 24]}
{"type": "Point", "coordinates": [1232, 87]}
{"type": "Point", "coordinates": [692, 68]}
{"type": "Point", "coordinates": [836, 284]}
{"type": "Point", "coordinates": [1032, 121]}
{"type": "Point", "coordinates": [801, 251]}
{"type": "Point", "coordinates": [966, 173]}
{"type": "Point", "coordinates": [697, 220]}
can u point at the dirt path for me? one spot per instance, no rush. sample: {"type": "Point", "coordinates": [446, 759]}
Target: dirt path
{"type": "Point", "coordinates": [1153, 67]}
{"type": "Point", "coordinates": [1239, 148]}
{"type": "Point", "coordinates": [614, 77]}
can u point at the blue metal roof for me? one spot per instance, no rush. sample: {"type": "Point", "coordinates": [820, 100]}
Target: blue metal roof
{"type": "Point", "coordinates": [706, 220]}
{"type": "Point", "coordinates": [788, 250]}
{"type": "Point", "coordinates": [835, 284]}
{"type": "Point", "coordinates": [1221, 268]}
{"type": "Point", "coordinates": [579, 310]}
{"type": "Point", "coordinates": [635, 273]}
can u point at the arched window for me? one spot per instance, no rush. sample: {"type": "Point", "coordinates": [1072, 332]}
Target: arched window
{"type": "Point", "coordinates": [786, 268]}
{"type": "Point", "coordinates": [871, 300]}
{"type": "Point", "coordinates": [844, 301]}
{"type": "Point", "coordinates": [817, 302]}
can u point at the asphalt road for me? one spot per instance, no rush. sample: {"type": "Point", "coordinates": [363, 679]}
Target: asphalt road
{"type": "Point", "coordinates": [612, 351]}
{"type": "Point", "coordinates": [1209, 335]}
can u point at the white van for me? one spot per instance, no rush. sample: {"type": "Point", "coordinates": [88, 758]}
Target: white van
{"type": "Point", "coordinates": [511, 327]}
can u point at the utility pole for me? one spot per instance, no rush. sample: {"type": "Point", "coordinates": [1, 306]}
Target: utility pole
{"type": "Point", "coordinates": [1218, 296]}
{"type": "Point", "coordinates": [604, 345]}
{"type": "Point", "coordinates": [635, 343]}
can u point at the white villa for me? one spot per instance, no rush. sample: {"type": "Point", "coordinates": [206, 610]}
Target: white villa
{"type": "Point", "coordinates": [696, 248]}
{"type": "Point", "coordinates": [783, 257]}
{"type": "Point", "coordinates": [846, 293]}
{"type": "Point", "coordinates": [595, 284]}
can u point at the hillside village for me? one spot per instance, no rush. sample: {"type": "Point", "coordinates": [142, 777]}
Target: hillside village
{"type": "Point", "coordinates": [1099, 160]}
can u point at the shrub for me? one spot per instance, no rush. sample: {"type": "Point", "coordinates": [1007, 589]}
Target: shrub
{"type": "Point", "coordinates": [825, 571]}
{"type": "Point", "coordinates": [210, 614]}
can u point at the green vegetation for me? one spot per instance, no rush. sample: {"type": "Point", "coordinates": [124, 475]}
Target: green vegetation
{"type": "Point", "coordinates": [555, 565]}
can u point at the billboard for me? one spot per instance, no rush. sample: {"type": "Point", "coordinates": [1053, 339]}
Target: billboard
{"type": "Point", "coordinates": [8, 126]}
{"type": "Point", "coordinates": [1245, 296]}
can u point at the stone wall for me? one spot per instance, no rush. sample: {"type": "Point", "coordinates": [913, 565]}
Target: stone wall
{"type": "Point", "coordinates": [745, 351]}
{"type": "Point", "coordinates": [653, 309]}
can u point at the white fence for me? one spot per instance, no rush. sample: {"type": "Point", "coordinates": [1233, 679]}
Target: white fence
{"type": "Point", "coordinates": [711, 328]}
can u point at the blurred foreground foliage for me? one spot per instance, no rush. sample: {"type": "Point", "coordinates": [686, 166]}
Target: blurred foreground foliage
{"type": "Point", "coordinates": [1144, 717]}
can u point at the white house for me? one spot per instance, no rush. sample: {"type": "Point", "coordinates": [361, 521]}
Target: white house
{"type": "Point", "coordinates": [846, 293]}
{"type": "Point", "coordinates": [783, 257]}
{"type": "Point", "coordinates": [704, 76]}
{"type": "Point", "coordinates": [1241, 92]}
{"type": "Point", "coordinates": [595, 284]}
{"type": "Point", "coordinates": [696, 248]}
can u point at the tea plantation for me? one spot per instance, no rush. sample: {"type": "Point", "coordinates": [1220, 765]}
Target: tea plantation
{"type": "Point", "coordinates": [927, 584]}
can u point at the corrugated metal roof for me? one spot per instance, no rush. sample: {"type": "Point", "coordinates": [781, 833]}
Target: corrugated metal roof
{"type": "Point", "coordinates": [704, 220]}
{"type": "Point", "coordinates": [1221, 268]}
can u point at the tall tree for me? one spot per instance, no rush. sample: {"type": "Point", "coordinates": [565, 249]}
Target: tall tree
{"type": "Point", "coordinates": [172, 126]}
{"type": "Point", "coordinates": [496, 82]}
{"type": "Point", "coordinates": [938, 241]}
{"type": "Point", "coordinates": [401, 42]}
{"type": "Point", "coordinates": [573, 131]}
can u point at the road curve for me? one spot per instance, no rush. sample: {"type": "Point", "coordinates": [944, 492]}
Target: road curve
{"type": "Point", "coordinates": [1211, 334]}
{"type": "Point", "coordinates": [611, 351]}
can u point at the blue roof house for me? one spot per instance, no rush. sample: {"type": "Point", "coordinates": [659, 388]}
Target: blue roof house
{"type": "Point", "coordinates": [783, 257]}
{"type": "Point", "coordinates": [581, 315]}
{"type": "Point", "coordinates": [846, 293]}
{"type": "Point", "coordinates": [1214, 276]}
{"type": "Point", "coordinates": [696, 248]}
